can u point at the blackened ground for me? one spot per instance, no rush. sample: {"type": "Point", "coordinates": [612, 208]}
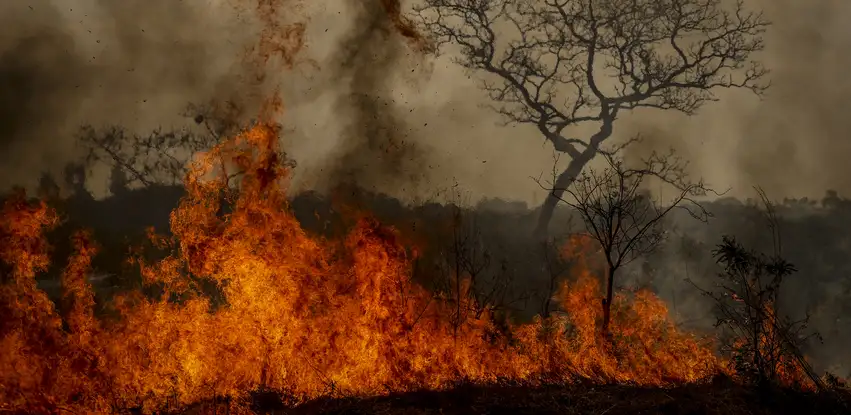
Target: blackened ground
{"type": "Point", "coordinates": [721, 398]}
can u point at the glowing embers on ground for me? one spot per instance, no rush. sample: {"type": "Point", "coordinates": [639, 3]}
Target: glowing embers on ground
{"type": "Point", "coordinates": [303, 316]}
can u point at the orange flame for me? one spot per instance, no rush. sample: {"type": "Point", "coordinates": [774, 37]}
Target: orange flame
{"type": "Point", "coordinates": [767, 348]}
{"type": "Point", "coordinates": [302, 316]}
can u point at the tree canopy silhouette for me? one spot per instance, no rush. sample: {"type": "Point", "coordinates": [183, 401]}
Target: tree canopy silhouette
{"type": "Point", "coordinates": [557, 64]}
{"type": "Point", "coordinates": [622, 218]}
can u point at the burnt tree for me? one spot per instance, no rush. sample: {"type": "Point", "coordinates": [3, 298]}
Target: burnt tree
{"type": "Point", "coordinates": [624, 219]}
{"type": "Point", "coordinates": [556, 64]}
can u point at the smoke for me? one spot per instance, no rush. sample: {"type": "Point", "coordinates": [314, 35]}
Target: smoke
{"type": "Point", "coordinates": [138, 64]}
{"type": "Point", "coordinates": [796, 145]}
{"type": "Point", "coordinates": [375, 112]}
{"type": "Point", "coordinates": [791, 142]}
{"type": "Point", "coordinates": [374, 151]}
{"type": "Point", "coordinates": [131, 63]}
{"type": "Point", "coordinates": [365, 134]}
{"type": "Point", "coordinates": [39, 76]}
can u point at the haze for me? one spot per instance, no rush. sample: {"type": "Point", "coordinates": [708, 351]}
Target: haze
{"type": "Point", "coordinates": [374, 111]}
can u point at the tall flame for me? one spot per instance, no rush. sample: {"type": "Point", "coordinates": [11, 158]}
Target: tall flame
{"type": "Point", "coordinates": [301, 316]}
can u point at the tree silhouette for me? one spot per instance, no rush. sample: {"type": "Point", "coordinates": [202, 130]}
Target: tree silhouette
{"type": "Point", "coordinates": [162, 156]}
{"type": "Point", "coordinates": [556, 64]}
{"type": "Point", "coordinates": [158, 158]}
{"type": "Point", "coordinates": [766, 344]}
{"type": "Point", "coordinates": [622, 218]}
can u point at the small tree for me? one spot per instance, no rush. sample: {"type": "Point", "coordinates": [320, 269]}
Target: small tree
{"type": "Point", "coordinates": [556, 64]}
{"type": "Point", "coordinates": [623, 218]}
{"type": "Point", "coordinates": [764, 344]}
{"type": "Point", "coordinates": [470, 276]}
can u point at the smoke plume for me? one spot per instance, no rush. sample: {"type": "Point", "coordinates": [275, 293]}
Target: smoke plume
{"type": "Point", "coordinates": [376, 112]}
{"type": "Point", "coordinates": [131, 63]}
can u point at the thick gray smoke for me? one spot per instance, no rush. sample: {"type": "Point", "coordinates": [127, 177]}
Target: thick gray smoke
{"type": "Point", "coordinates": [132, 63]}
{"type": "Point", "coordinates": [352, 124]}
{"type": "Point", "coordinates": [376, 151]}
{"type": "Point", "coordinates": [797, 143]}
{"type": "Point", "coordinates": [364, 114]}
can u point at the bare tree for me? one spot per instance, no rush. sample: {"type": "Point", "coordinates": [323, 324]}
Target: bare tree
{"type": "Point", "coordinates": [162, 157]}
{"type": "Point", "coordinates": [470, 276]}
{"type": "Point", "coordinates": [623, 218]}
{"type": "Point", "coordinates": [560, 63]}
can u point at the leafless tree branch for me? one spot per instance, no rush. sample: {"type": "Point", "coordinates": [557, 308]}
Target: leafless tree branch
{"type": "Point", "coordinates": [560, 63]}
{"type": "Point", "coordinates": [163, 157]}
{"type": "Point", "coordinates": [622, 217]}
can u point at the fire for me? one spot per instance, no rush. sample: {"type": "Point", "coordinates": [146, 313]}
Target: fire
{"type": "Point", "coordinates": [302, 316]}
{"type": "Point", "coordinates": [764, 353]}
{"type": "Point", "coordinates": [299, 315]}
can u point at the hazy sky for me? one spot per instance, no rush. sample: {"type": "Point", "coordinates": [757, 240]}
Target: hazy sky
{"type": "Point", "coordinates": [376, 112]}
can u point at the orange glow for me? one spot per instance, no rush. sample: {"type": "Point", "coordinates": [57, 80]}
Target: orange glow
{"type": "Point", "coordinates": [304, 316]}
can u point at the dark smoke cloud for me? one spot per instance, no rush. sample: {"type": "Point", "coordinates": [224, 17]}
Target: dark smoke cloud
{"type": "Point", "coordinates": [134, 63]}
{"type": "Point", "coordinates": [376, 149]}
{"type": "Point", "coordinates": [40, 77]}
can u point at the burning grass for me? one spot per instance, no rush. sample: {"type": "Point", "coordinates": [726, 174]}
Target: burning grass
{"type": "Point", "coordinates": [303, 317]}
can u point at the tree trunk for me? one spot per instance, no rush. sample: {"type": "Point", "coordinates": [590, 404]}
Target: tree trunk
{"type": "Point", "coordinates": [607, 302]}
{"type": "Point", "coordinates": [566, 178]}
{"type": "Point", "coordinates": [563, 181]}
